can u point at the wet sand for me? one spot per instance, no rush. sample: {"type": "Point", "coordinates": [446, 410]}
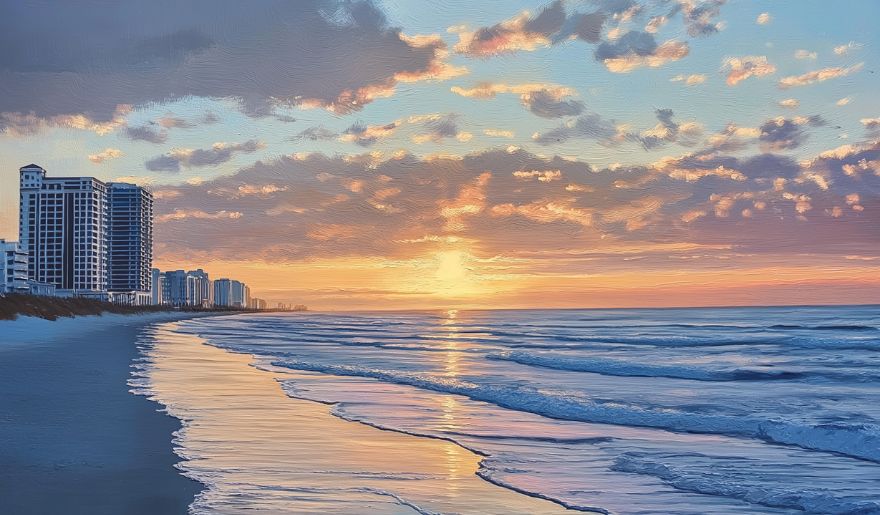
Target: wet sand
{"type": "Point", "coordinates": [260, 451]}
{"type": "Point", "coordinates": [73, 440]}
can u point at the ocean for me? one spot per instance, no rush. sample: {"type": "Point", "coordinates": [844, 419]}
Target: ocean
{"type": "Point", "coordinates": [703, 411]}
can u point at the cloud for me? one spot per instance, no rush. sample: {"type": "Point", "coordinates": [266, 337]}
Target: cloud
{"type": "Point", "coordinates": [182, 214]}
{"type": "Point", "coordinates": [545, 212]}
{"type": "Point", "coordinates": [309, 52]}
{"type": "Point", "coordinates": [700, 15]}
{"type": "Point", "coordinates": [639, 49]}
{"type": "Point", "coordinates": [367, 135]}
{"type": "Point", "coordinates": [733, 138]}
{"type": "Point", "coordinates": [218, 154]}
{"type": "Point", "coordinates": [818, 76]}
{"type": "Point", "coordinates": [527, 33]}
{"type": "Point", "coordinates": [549, 104]}
{"type": "Point", "coordinates": [257, 190]}
{"type": "Point", "coordinates": [787, 133]}
{"type": "Point", "coordinates": [741, 68]}
{"type": "Point", "coordinates": [690, 80]}
{"type": "Point", "coordinates": [843, 101]}
{"type": "Point", "coordinates": [439, 127]}
{"type": "Point", "coordinates": [499, 133]}
{"type": "Point", "coordinates": [667, 131]}
{"type": "Point", "coordinates": [317, 133]}
{"type": "Point", "coordinates": [606, 132]}
{"type": "Point", "coordinates": [781, 134]}
{"type": "Point", "coordinates": [790, 103]}
{"type": "Point", "coordinates": [763, 19]}
{"type": "Point", "coordinates": [511, 202]}
{"type": "Point", "coordinates": [805, 54]}
{"type": "Point", "coordinates": [544, 100]}
{"type": "Point", "coordinates": [539, 175]}
{"type": "Point", "coordinates": [105, 155]}
{"type": "Point", "coordinates": [18, 124]}
{"type": "Point", "coordinates": [655, 23]}
{"type": "Point", "coordinates": [146, 133]}
{"type": "Point", "coordinates": [621, 51]}
{"type": "Point", "coordinates": [588, 126]}
{"type": "Point", "coordinates": [169, 122]}
{"type": "Point", "coordinates": [847, 48]}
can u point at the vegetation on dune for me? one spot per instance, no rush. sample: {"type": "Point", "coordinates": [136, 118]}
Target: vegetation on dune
{"type": "Point", "coordinates": [51, 308]}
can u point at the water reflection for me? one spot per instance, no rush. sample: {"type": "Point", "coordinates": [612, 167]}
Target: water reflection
{"type": "Point", "coordinates": [263, 452]}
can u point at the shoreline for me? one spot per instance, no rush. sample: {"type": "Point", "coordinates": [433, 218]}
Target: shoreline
{"type": "Point", "coordinates": [73, 438]}
{"type": "Point", "coordinates": [225, 399]}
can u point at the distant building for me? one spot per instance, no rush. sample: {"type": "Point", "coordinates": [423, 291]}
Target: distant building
{"type": "Point", "coordinates": [14, 268]}
{"type": "Point", "coordinates": [174, 288]}
{"type": "Point", "coordinates": [199, 290]}
{"type": "Point", "coordinates": [229, 293]}
{"type": "Point", "coordinates": [238, 299]}
{"type": "Point", "coordinates": [156, 278]}
{"type": "Point", "coordinates": [223, 293]}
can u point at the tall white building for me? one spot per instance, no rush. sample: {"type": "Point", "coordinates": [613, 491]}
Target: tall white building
{"type": "Point", "coordinates": [13, 268]}
{"type": "Point", "coordinates": [199, 289]}
{"type": "Point", "coordinates": [86, 237]}
{"type": "Point", "coordinates": [63, 228]}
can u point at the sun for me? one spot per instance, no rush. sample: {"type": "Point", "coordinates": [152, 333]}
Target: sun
{"type": "Point", "coordinates": [454, 273]}
{"type": "Point", "coordinates": [451, 266]}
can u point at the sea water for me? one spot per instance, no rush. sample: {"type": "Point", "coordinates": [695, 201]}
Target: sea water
{"type": "Point", "coordinates": [727, 410]}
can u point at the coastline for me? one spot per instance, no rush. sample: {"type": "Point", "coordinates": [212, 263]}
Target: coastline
{"type": "Point", "coordinates": [254, 445]}
{"type": "Point", "coordinates": [73, 439]}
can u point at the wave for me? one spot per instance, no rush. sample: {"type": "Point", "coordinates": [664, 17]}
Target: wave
{"type": "Point", "coordinates": [627, 369]}
{"type": "Point", "coordinates": [856, 440]}
{"type": "Point", "coordinates": [612, 367]}
{"type": "Point", "coordinates": [484, 471]}
{"type": "Point", "coordinates": [667, 341]}
{"type": "Point", "coordinates": [832, 327]}
{"type": "Point", "coordinates": [750, 487]}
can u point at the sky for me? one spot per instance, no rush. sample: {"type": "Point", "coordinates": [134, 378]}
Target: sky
{"type": "Point", "coordinates": [407, 154]}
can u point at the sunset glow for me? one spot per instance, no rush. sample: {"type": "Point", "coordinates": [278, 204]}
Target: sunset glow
{"type": "Point", "coordinates": [661, 154]}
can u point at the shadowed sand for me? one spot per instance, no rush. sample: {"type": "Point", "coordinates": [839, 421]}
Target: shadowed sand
{"type": "Point", "coordinates": [263, 452]}
{"type": "Point", "coordinates": [72, 438]}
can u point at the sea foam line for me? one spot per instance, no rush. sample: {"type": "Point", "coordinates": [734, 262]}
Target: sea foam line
{"type": "Point", "coordinates": [815, 499]}
{"type": "Point", "coordinates": [856, 440]}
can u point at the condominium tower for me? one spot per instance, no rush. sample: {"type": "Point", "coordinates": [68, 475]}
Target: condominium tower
{"type": "Point", "coordinates": [85, 236]}
{"type": "Point", "coordinates": [130, 238]}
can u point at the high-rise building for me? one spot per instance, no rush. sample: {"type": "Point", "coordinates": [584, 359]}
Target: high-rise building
{"type": "Point", "coordinates": [223, 293]}
{"type": "Point", "coordinates": [86, 237]}
{"type": "Point", "coordinates": [13, 268]}
{"type": "Point", "coordinates": [237, 298]}
{"type": "Point", "coordinates": [130, 238]}
{"type": "Point", "coordinates": [199, 290]}
{"type": "Point", "coordinates": [156, 280]}
{"type": "Point", "coordinates": [174, 288]}
{"type": "Point", "coordinates": [229, 293]}
{"type": "Point", "coordinates": [63, 228]}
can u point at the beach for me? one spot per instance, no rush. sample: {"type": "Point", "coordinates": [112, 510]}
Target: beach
{"type": "Point", "coordinates": [692, 411]}
{"type": "Point", "coordinates": [72, 438]}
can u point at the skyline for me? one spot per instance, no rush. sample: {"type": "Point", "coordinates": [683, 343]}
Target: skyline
{"type": "Point", "coordinates": [374, 155]}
